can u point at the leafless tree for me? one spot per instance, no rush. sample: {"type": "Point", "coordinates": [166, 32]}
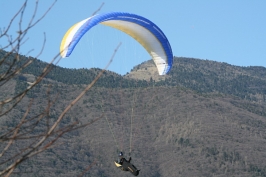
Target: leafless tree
{"type": "Point", "coordinates": [23, 134]}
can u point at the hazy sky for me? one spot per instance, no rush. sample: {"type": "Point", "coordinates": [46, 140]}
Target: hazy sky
{"type": "Point", "coordinates": [231, 31]}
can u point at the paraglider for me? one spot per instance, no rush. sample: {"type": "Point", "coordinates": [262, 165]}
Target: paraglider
{"type": "Point", "coordinates": [149, 35]}
{"type": "Point", "coordinates": [125, 165]}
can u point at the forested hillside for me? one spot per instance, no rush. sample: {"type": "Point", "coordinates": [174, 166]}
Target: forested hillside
{"type": "Point", "coordinates": [203, 119]}
{"type": "Point", "coordinates": [205, 76]}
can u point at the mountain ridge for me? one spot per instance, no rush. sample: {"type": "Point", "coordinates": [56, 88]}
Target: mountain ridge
{"type": "Point", "coordinates": [204, 119]}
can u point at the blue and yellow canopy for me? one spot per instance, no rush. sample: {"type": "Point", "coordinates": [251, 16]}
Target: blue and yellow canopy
{"type": "Point", "coordinates": [143, 30]}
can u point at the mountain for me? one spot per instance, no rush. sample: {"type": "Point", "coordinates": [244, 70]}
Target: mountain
{"type": "Point", "coordinates": [207, 76]}
{"type": "Point", "coordinates": [204, 118]}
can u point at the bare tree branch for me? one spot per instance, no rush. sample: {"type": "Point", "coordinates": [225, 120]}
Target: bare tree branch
{"type": "Point", "coordinates": [88, 168]}
{"type": "Point", "coordinates": [50, 132]}
{"type": "Point", "coordinates": [98, 9]}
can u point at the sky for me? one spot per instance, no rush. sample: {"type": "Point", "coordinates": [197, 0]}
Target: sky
{"type": "Point", "coordinates": [230, 31]}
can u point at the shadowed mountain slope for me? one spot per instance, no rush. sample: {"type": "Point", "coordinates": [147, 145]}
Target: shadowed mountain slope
{"type": "Point", "coordinates": [203, 119]}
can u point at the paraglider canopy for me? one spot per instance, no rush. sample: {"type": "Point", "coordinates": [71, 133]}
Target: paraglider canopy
{"type": "Point", "coordinates": [149, 35]}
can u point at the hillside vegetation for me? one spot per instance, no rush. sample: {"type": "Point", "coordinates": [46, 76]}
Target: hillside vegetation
{"type": "Point", "coordinates": [203, 119]}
